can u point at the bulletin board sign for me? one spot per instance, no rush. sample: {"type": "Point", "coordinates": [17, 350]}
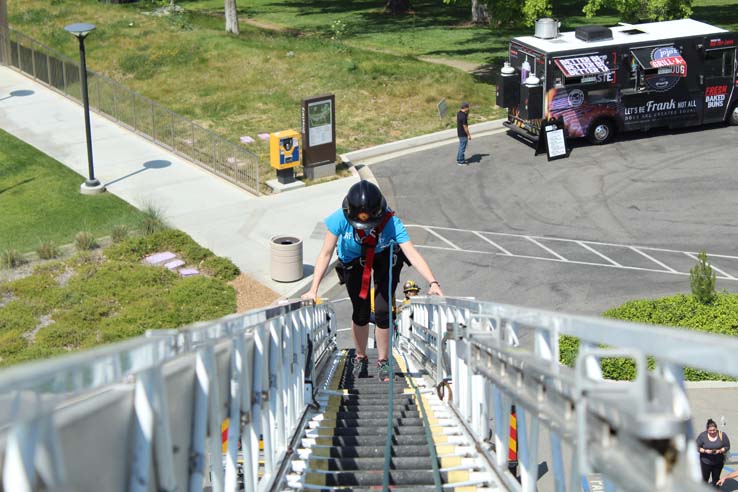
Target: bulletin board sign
{"type": "Point", "coordinates": [553, 139]}
{"type": "Point", "coordinates": [319, 129]}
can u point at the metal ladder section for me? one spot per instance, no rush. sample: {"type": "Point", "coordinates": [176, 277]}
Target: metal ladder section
{"type": "Point", "coordinates": [146, 414]}
{"type": "Point", "coordinates": [343, 447]}
{"type": "Point", "coordinates": [637, 434]}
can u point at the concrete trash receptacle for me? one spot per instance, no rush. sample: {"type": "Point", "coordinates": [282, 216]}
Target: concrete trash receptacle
{"type": "Point", "coordinates": [286, 258]}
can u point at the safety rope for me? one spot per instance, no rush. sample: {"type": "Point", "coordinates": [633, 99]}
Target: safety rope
{"type": "Point", "coordinates": [428, 434]}
{"type": "Point", "coordinates": [390, 414]}
{"type": "Point", "coordinates": [390, 417]}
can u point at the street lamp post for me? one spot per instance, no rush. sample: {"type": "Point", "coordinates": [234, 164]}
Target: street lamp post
{"type": "Point", "coordinates": [91, 186]}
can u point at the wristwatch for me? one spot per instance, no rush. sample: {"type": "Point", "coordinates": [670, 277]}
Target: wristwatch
{"type": "Point", "coordinates": [434, 282]}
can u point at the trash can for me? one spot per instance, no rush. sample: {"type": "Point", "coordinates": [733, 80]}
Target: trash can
{"type": "Point", "coordinates": [286, 258]}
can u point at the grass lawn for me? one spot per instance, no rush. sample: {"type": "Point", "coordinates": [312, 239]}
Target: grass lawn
{"type": "Point", "coordinates": [253, 83]}
{"type": "Point", "coordinates": [92, 299]}
{"type": "Point", "coordinates": [40, 201]}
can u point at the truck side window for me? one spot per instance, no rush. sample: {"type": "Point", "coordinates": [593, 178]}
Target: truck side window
{"type": "Point", "coordinates": [719, 63]}
{"type": "Point", "coordinates": [600, 96]}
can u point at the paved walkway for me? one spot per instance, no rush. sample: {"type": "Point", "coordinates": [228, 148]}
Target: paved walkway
{"type": "Point", "coordinates": [220, 216]}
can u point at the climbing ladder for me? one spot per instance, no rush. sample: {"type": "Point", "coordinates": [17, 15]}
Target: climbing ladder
{"type": "Point", "coordinates": [146, 414]}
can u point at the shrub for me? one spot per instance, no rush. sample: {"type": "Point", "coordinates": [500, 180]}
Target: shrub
{"type": "Point", "coordinates": [702, 280]}
{"type": "Point", "coordinates": [135, 249]}
{"type": "Point", "coordinates": [85, 241]}
{"type": "Point", "coordinates": [119, 233]}
{"type": "Point", "coordinates": [48, 250]}
{"type": "Point", "coordinates": [11, 258]}
{"type": "Point", "coordinates": [719, 317]}
{"type": "Point", "coordinates": [153, 220]}
{"type": "Point", "coordinates": [220, 268]}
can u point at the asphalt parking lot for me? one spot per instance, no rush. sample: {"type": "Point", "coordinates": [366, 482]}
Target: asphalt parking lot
{"type": "Point", "coordinates": [584, 234]}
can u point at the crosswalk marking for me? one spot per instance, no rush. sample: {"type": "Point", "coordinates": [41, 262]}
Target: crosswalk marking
{"type": "Point", "coordinates": [653, 255]}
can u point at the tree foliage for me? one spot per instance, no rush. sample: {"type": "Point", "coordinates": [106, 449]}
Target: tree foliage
{"type": "Point", "coordinates": [502, 12]}
{"type": "Point", "coordinates": [702, 280]}
{"type": "Point", "coordinates": [642, 10]}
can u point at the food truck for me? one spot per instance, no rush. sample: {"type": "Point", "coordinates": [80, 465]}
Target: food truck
{"type": "Point", "coordinates": [602, 80]}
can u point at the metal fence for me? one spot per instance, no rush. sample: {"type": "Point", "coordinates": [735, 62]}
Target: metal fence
{"type": "Point", "coordinates": [637, 434]}
{"type": "Point", "coordinates": [132, 110]}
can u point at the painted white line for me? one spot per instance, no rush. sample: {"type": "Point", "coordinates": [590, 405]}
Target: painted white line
{"type": "Point", "coordinates": [729, 276]}
{"type": "Point", "coordinates": [546, 248]}
{"type": "Point", "coordinates": [479, 235]}
{"type": "Point", "coordinates": [570, 262]}
{"type": "Point", "coordinates": [652, 259]}
{"type": "Point", "coordinates": [647, 248]}
{"type": "Point", "coordinates": [584, 245]}
{"type": "Point", "coordinates": [441, 238]}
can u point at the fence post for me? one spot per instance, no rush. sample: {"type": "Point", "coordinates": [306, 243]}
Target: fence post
{"type": "Point", "coordinates": [153, 122]}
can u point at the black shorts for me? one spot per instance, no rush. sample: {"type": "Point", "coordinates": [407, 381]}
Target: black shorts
{"type": "Point", "coordinates": [362, 307]}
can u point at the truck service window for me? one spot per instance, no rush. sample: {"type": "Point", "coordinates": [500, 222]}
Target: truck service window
{"type": "Point", "coordinates": [719, 63]}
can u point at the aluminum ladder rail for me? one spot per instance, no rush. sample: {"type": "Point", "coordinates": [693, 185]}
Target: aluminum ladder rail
{"type": "Point", "coordinates": [145, 414]}
{"type": "Point", "coordinates": [637, 434]}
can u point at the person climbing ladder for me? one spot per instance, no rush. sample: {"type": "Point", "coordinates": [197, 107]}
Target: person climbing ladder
{"type": "Point", "coordinates": [362, 231]}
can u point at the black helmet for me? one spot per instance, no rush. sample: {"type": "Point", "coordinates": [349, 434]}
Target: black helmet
{"type": "Point", "coordinates": [364, 205]}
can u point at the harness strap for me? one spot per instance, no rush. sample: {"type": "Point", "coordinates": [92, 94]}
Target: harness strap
{"type": "Point", "coordinates": [369, 243]}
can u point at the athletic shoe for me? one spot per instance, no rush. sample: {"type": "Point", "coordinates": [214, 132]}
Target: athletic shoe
{"type": "Point", "coordinates": [383, 371]}
{"type": "Point", "coordinates": [361, 367]}
{"type": "Point", "coordinates": [462, 163]}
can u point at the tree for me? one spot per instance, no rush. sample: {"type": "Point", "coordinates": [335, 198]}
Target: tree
{"type": "Point", "coordinates": [231, 17]}
{"type": "Point", "coordinates": [642, 10]}
{"type": "Point", "coordinates": [398, 6]}
{"type": "Point", "coordinates": [702, 279]}
{"type": "Point", "coordinates": [479, 12]}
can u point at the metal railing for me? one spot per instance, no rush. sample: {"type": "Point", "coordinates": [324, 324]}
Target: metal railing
{"type": "Point", "coordinates": [637, 434]}
{"type": "Point", "coordinates": [132, 110]}
{"type": "Point", "coordinates": [146, 413]}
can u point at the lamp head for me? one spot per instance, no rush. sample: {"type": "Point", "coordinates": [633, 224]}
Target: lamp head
{"type": "Point", "coordinates": [80, 30]}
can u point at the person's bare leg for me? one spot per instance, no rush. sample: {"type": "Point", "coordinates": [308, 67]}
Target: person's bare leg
{"type": "Point", "coordinates": [383, 339]}
{"type": "Point", "coordinates": [361, 337]}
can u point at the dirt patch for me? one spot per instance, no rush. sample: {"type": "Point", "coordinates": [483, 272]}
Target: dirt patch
{"type": "Point", "coordinates": [251, 294]}
{"type": "Point", "coordinates": [269, 26]}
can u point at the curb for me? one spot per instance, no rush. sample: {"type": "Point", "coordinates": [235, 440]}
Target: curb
{"type": "Point", "coordinates": [364, 172]}
{"type": "Point", "coordinates": [409, 144]}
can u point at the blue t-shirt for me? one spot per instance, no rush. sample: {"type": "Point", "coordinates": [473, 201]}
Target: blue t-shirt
{"type": "Point", "coordinates": [349, 247]}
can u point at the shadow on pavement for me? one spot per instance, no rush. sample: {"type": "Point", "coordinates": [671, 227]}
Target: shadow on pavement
{"type": "Point", "coordinates": [20, 93]}
{"type": "Point", "coordinates": [476, 158]}
{"type": "Point", "coordinates": [157, 164]}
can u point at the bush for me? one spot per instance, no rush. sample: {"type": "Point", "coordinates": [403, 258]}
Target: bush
{"type": "Point", "coordinates": [702, 280]}
{"type": "Point", "coordinates": [48, 250]}
{"type": "Point", "coordinates": [220, 268]}
{"type": "Point", "coordinates": [153, 220]}
{"type": "Point", "coordinates": [11, 258]}
{"type": "Point", "coordinates": [683, 311]}
{"type": "Point", "coordinates": [85, 241]}
{"type": "Point", "coordinates": [119, 233]}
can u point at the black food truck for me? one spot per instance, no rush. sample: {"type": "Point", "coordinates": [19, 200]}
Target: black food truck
{"type": "Point", "coordinates": [600, 80]}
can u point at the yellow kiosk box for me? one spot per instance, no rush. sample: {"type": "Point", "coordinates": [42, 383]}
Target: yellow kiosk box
{"type": "Point", "coordinates": [284, 149]}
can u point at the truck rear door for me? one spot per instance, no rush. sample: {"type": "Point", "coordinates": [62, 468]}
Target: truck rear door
{"type": "Point", "coordinates": [718, 80]}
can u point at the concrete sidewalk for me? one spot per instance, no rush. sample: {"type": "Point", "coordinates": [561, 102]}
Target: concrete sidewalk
{"type": "Point", "coordinates": [220, 216]}
{"type": "Point", "coordinates": [217, 214]}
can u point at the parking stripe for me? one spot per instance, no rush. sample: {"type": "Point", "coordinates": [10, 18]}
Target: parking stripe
{"type": "Point", "coordinates": [546, 248]}
{"type": "Point", "coordinates": [586, 246]}
{"type": "Point", "coordinates": [727, 275]}
{"type": "Point", "coordinates": [590, 246]}
{"type": "Point", "coordinates": [652, 259]}
{"type": "Point", "coordinates": [478, 234]}
{"type": "Point", "coordinates": [442, 238]}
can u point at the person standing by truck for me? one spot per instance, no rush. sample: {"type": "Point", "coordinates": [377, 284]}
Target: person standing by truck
{"type": "Point", "coordinates": [462, 130]}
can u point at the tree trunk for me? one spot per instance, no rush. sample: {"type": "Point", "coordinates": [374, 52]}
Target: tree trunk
{"type": "Point", "coordinates": [4, 38]}
{"type": "Point", "coordinates": [479, 13]}
{"type": "Point", "coordinates": [398, 6]}
{"type": "Point", "coordinates": [231, 16]}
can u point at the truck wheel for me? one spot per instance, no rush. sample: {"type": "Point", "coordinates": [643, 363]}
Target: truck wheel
{"type": "Point", "coordinates": [601, 132]}
{"type": "Point", "coordinates": [733, 115]}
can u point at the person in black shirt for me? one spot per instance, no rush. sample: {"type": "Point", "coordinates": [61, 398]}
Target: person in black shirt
{"type": "Point", "coordinates": [462, 130]}
{"type": "Point", "coordinates": [713, 446]}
